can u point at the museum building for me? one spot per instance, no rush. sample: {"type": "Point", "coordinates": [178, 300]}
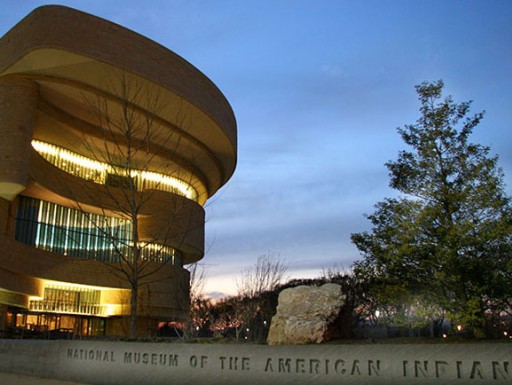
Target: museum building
{"type": "Point", "coordinates": [111, 146]}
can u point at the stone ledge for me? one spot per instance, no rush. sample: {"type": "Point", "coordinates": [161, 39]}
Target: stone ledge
{"type": "Point", "coordinates": [134, 363]}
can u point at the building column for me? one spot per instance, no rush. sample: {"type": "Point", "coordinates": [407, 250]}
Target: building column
{"type": "Point", "coordinates": [18, 108]}
{"type": "Point", "coordinates": [3, 316]}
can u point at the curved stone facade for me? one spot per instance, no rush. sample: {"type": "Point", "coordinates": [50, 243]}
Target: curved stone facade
{"type": "Point", "coordinates": [95, 119]}
{"type": "Point", "coordinates": [18, 104]}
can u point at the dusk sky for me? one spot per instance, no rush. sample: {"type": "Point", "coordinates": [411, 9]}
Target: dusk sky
{"type": "Point", "coordinates": [318, 89]}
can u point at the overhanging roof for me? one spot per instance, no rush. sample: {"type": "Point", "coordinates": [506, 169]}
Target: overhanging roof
{"type": "Point", "coordinates": [71, 54]}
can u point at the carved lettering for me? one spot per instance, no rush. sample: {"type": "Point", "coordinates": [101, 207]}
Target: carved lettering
{"type": "Point", "coordinates": [497, 369]}
{"type": "Point", "coordinates": [459, 370]}
{"type": "Point", "coordinates": [235, 363]}
{"type": "Point", "coordinates": [440, 368]}
{"type": "Point", "coordinates": [268, 365]}
{"type": "Point", "coordinates": [314, 366]}
{"type": "Point", "coordinates": [194, 361]}
{"type": "Point", "coordinates": [444, 369]}
{"type": "Point", "coordinates": [419, 370]}
{"type": "Point", "coordinates": [153, 359]}
{"type": "Point", "coordinates": [284, 365]}
{"type": "Point", "coordinates": [299, 365]}
{"type": "Point", "coordinates": [91, 355]}
{"type": "Point", "coordinates": [476, 370]}
{"type": "Point", "coordinates": [173, 360]}
{"type": "Point", "coordinates": [355, 368]}
{"type": "Point", "coordinates": [339, 367]}
{"type": "Point", "coordinates": [374, 368]}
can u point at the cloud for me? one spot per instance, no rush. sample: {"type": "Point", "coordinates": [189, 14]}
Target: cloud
{"type": "Point", "coordinates": [333, 71]}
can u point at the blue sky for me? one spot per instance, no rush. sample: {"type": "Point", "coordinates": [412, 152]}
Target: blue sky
{"type": "Point", "coordinates": [318, 88]}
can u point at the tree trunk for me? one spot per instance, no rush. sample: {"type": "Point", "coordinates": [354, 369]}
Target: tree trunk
{"type": "Point", "coordinates": [133, 310]}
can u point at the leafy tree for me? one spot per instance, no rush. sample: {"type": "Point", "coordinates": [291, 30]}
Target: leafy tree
{"type": "Point", "coordinates": [446, 239]}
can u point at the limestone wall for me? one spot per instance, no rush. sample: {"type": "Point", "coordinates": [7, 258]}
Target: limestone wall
{"type": "Point", "coordinates": [18, 103]}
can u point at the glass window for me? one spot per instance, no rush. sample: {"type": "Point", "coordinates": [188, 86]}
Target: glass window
{"type": "Point", "coordinates": [78, 234]}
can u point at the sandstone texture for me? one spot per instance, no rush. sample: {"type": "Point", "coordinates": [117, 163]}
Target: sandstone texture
{"type": "Point", "coordinates": [306, 315]}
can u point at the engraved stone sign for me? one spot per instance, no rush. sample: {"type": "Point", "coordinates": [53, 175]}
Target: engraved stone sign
{"type": "Point", "coordinates": [133, 363]}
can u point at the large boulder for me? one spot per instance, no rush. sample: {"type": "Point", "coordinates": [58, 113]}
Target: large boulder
{"type": "Point", "coordinates": [306, 315]}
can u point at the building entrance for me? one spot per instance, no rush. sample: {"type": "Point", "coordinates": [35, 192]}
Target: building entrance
{"type": "Point", "coordinates": [21, 323]}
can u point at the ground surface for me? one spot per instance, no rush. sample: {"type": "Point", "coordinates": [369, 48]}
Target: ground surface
{"type": "Point", "coordinates": [17, 379]}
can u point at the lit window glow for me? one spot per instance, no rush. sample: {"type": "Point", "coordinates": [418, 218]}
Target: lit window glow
{"type": "Point", "coordinates": [160, 179]}
{"type": "Point", "coordinates": [45, 148]}
{"type": "Point", "coordinates": [97, 171]}
{"type": "Point", "coordinates": [51, 227]}
{"type": "Point", "coordinates": [83, 161]}
{"type": "Point", "coordinates": [71, 298]}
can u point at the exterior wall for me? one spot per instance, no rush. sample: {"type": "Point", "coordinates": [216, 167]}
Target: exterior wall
{"type": "Point", "coordinates": [18, 104]}
{"type": "Point", "coordinates": [55, 34]}
{"type": "Point", "coordinates": [186, 232]}
{"type": "Point", "coordinates": [24, 268]}
{"type": "Point", "coordinates": [4, 215]}
{"type": "Point", "coordinates": [73, 31]}
{"type": "Point", "coordinates": [50, 63]}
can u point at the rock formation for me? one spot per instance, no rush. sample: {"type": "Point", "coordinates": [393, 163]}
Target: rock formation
{"type": "Point", "coordinates": [306, 315]}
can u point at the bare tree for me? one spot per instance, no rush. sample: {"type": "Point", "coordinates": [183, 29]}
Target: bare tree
{"type": "Point", "coordinates": [198, 279]}
{"type": "Point", "coordinates": [227, 315]}
{"type": "Point", "coordinates": [200, 305]}
{"type": "Point", "coordinates": [128, 149]}
{"type": "Point", "coordinates": [265, 275]}
{"type": "Point", "coordinates": [335, 271]}
{"type": "Point", "coordinates": [255, 307]}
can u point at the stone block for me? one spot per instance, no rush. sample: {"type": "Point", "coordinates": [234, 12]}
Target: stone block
{"type": "Point", "coordinates": [306, 314]}
{"type": "Point", "coordinates": [136, 363]}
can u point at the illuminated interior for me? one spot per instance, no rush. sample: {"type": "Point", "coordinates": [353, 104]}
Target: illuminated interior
{"type": "Point", "coordinates": [56, 323]}
{"type": "Point", "coordinates": [103, 173]}
{"type": "Point", "coordinates": [51, 227]}
{"type": "Point", "coordinates": [71, 298]}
